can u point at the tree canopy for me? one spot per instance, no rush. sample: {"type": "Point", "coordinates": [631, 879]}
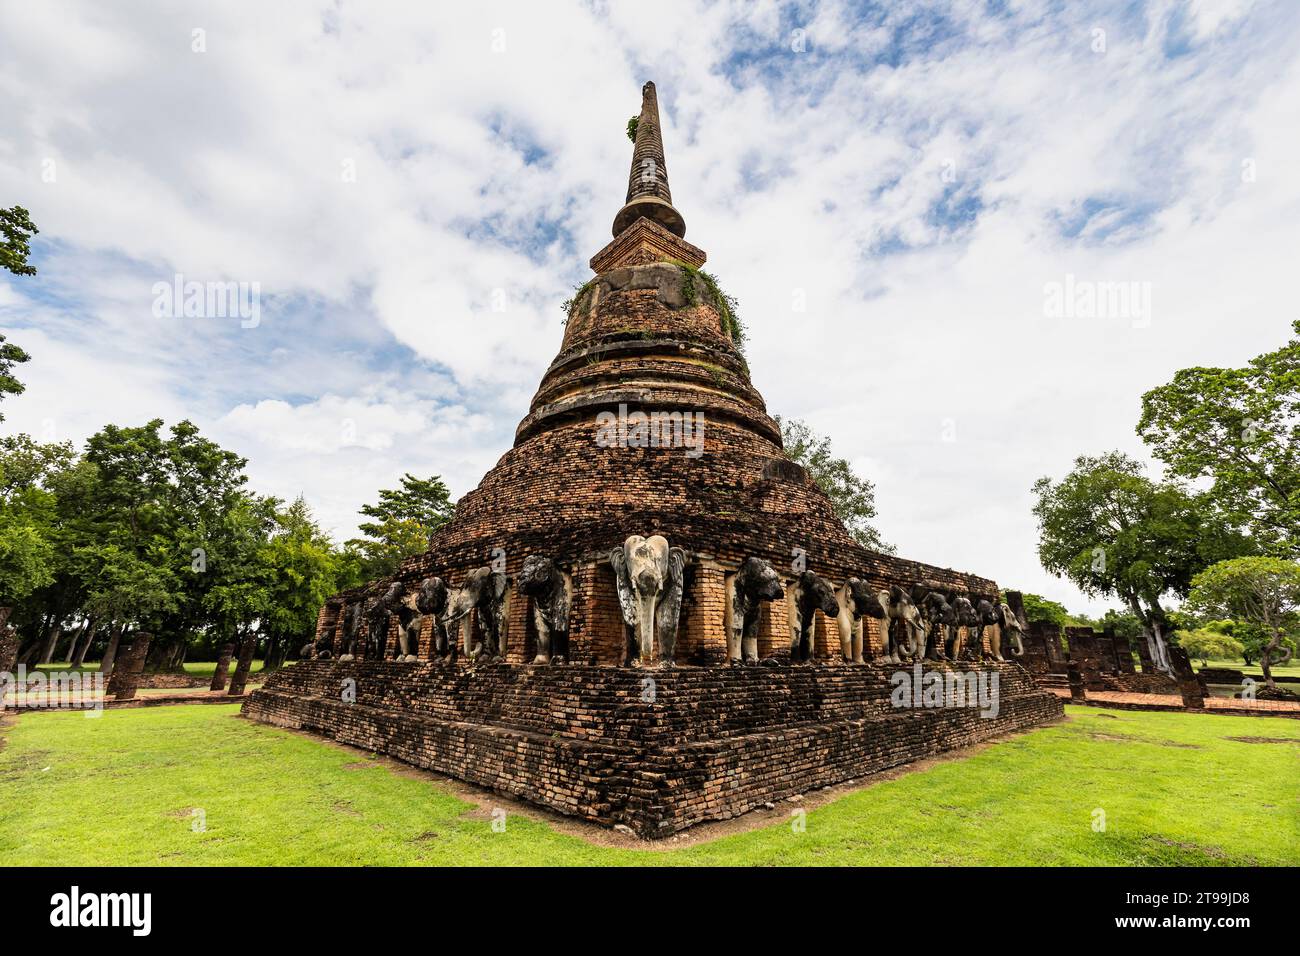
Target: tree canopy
{"type": "Point", "coordinates": [1114, 532]}
{"type": "Point", "coordinates": [1240, 429]}
{"type": "Point", "coordinates": [1258, 590]}
{"type": "Point", "coordinates": [852, 496]}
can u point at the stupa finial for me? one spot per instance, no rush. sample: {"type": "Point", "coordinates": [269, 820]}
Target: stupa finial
{"type": "Point", "coordinates": [647, 186]}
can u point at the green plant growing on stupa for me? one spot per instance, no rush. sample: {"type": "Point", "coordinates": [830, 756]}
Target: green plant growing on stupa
{"type": "Point", "coordinates": [727, 306]}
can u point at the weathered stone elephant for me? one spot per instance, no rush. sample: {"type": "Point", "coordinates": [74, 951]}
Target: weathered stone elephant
{"type": "Point", "coordinates": [1010, 627]}
{"type": "Point", "coordinates": [755, 582]}
{"type": "Point", "coordinates": [352, 617]}
{"type": "Point", "coordinates": [939, 618]}
{"type": "Point", "coordinates": [650, 578]}
{"type": "Point", "coordinates": [408, 628]}
{"type": "Point", "coordinates": [857, 599]}
{"type": "Point", "coordinates": [551, 591]}
{"type": "Point", "coordinates": [972, 645]}
{"type": "Point", "coordinates": [377, 620]}
{"type": "Point", "coordinates": [806, 595]}
{"type": "Point", "coordinates": [484, 596]}
{"type": "Point", "coordinates": [901, 615]}
{"type": "Point", "coordinates": [431, 602]}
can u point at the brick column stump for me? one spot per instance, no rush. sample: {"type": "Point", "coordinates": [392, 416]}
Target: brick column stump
{"type": "Point", "coordinates": [1077, 689]}
{"type": "Point", "coordinates": [125, 679]}
{"type": "Point", "coordinates": [223, 668]}
{"type": "Point", "coordinates": [241, 669]}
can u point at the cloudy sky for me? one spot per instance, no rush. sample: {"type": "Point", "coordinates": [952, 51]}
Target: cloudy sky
{"type": "Point", "coordinates": [898, 194]}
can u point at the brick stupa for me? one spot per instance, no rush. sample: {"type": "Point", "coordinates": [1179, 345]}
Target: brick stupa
{"type": "Point", "coordinates": [649, 335]}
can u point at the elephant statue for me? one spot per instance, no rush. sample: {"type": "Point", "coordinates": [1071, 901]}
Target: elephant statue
{"type": "Point", "coordinates": [552, 593]}
{"type": "Point", "coordinates": [755, 582]}
{"type": "Point", "coordinates": [650, 577]}
{"type": "Point", "coordinates": [939, 618]}
{"type": "Point", "coordinates": [807, 594]}
{"type": "Point", "coordinates": [431, 602]}
{"type": "Point", "coordinates": [986, 613]}
{"type": "Point", "coordinates": [486, 593]}
{"type": "Point", "coordinates": [856, 599]}
{"type": "Point", "coordinates": [408, 627]}
{"type": "Point", "coordinates": [377, 619]}
{"type": "Point", "coordinates": [1009, 626]}
{"type": "Point", "coordinates": [352, 617]}
{"type": "Point", "coordinates": [973, 645]}
{"type": "Point", "coordinates": [901, 614]}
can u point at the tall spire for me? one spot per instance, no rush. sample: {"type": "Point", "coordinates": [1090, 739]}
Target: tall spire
{"type": "Point", "coordinates": [647, 184]}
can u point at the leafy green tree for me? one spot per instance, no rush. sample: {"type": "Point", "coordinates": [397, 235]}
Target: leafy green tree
{"type": "Point", "coordinates": [303, 569]}
{"type": "Point", "coordinates": [16, 230]}
{"type": "Point", "coordinates": [1257, 590]}
{"type": "Point", "coordinates": [852, 496]}
{"type": "Point", "coordinates": [1114, 532]}
{"type": "Point", "coordinates": [26, 559]}
{"type": "Point", "coordinates": [1039, 609]}
{"type": "Point", "coordinates": [124, 591]}
{"type": "Point", "coordinates": [403, 520]}
{"type": "Point", "coordinates": [1204, 645]}
{"type": "Point", "coordinates": [1239, 428]}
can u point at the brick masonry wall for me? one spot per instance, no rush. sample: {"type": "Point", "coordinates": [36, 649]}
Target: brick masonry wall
{"type": "Point", "coordinates": [708, 744]}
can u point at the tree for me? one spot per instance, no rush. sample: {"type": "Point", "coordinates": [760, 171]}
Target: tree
{"type": "Point", "coordinates": [404, 519]}
{"type": "Point", "coordinates": [16, 230]}
{"type": "Point", "coordinates": [25, 560]}
{"type": "Point", "coordinates": [852, 497]}
{"type": "Point", "coordinates": [1039, 609]}
{"type": "Point", "coordinates": [1114, 532]}
{"type": "Point", "coordinates": [1256, 590]}
{"type": "Point", "coordinates": [303, 569]}
{"type": "Point", "coordinates": [1240, 428]}
{"type": "Point", "coordinates": [1204, 645]}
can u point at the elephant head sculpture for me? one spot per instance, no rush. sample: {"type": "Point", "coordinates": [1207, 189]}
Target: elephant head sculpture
{"type": "Point", "coordinates": [855, 599]}
{"type": "Point", "coordinates": [938, 616]}
{"type": "Point", "coordinates": [755, 582]}
{"type": "Point", "coordinates": [431, 601]}
{"type": "Point", "coordinates": [352, 617]}
{"type": "Point", "coordinates": [650, 577]}
{"type": "Point", "coordinates": [808, 594]}
{"type": "Point", "coordinates": [551, 592]}
{"type": "Point", "coordinates": [484, 596]}
{"type": "Point", "coordinates": [901, 614]}
{"type": "Point", "coordinates": [973, 645]}
{"type": "Point", "coordinates": [1010, 627]}
{"type": "Point", "coordinates": [377, 619]}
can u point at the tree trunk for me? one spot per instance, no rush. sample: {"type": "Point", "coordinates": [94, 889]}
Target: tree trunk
{"type": "Point", "coordinates": [79, 657]}
{"type": "Point", "coordinates": [51, 642]}
{"type": "Point", "coordinates": [110, 652]}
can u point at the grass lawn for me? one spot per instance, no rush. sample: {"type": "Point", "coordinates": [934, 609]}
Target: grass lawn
{"type": "Point", "coordinates": [1290, 669]}
{"type": "Point", "coordinates": [195, 669]}
{"type": "Point", "coordinates": [121, 789]}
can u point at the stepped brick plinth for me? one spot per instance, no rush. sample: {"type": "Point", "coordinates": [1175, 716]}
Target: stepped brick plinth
{"type": "Point", "coordinates": [599, 743]}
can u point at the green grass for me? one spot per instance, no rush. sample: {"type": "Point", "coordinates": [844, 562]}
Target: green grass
{"type": "Point", "coordinates": [195, 669]}
{"type": "Point", "coordinates": [120, 788]}
{"type": "Point", "coordinates": [1290, 669]}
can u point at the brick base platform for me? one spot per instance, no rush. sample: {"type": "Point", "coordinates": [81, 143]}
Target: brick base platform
{"type": "Point", "coordinates": [656, 750]}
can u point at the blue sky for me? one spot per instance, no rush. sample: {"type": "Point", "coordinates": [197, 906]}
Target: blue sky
{"type": "Point", "coordinates": [415, 191]}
